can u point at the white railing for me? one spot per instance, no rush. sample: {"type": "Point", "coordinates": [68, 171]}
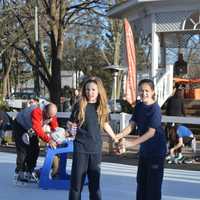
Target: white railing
{"type": "Point", "coordinates": [123, 119]}
{"type": "Point", "coordinates": [120, 120]}
{"type": "Point", "coordinates": [163, 81]}
{"type": "Point", "coordinates": [164, 86]}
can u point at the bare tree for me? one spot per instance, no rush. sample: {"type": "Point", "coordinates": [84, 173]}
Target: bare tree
{"type": "Point", "coordinates": [55, 17]}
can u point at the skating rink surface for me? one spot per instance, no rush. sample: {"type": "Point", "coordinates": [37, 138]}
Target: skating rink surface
{"type": "Point", "coordinates": [118, 182]}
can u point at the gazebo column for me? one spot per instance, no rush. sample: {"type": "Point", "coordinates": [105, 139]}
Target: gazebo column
{"type": "Point", "coordinates": [155, 49]}
{"type": "Point", "coordinates": [163, 50]}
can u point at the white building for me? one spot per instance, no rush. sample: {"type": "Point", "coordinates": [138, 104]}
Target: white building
{"type": "Point", "coordinates": [166, 24]}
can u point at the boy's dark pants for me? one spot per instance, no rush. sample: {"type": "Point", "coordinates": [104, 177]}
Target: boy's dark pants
{"type": "Point", "coordinates": [149, 178]}
{"type": "Point", "coordinates": [85, 164]}
{"type": "Point", "coordinates": [26, 154]}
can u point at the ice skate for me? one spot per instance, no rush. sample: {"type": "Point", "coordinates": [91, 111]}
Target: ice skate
{"type": "Point", "coordinates": [20, 179]}
{"type": "Point", "coordinates": [168, 158]}
{"type": "Point", "coordinates": [171, 160]}
{"type": "Point", "coordinates": [179, 159]}
{"type": "Point", "coordinates": [32, 177]}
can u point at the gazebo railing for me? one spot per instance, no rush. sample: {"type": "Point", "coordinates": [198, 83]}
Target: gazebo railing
{"type": "Point", "coordinates": [164, 86]}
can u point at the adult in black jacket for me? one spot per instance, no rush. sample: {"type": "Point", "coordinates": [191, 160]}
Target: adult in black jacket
{"type": "Point", "coordinates": [175, 104]}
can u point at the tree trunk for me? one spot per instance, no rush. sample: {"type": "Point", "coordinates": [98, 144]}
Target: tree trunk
{"type": "Point", "coordinates": [57, 38]}
{"type": "Point", "coordinates": [55, 82]}
{"type": "Point", "coordinates": [7, 67]}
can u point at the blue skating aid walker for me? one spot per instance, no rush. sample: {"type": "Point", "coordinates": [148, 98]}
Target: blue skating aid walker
{"type": "Point", "coordinates": [63, 182]}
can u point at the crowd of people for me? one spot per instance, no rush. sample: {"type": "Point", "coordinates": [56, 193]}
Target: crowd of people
{"type": "Point", "coordinates": [90, 116]}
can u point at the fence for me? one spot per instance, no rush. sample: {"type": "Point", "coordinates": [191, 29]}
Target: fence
{"type": "Point", "coordinates": [120, 120]}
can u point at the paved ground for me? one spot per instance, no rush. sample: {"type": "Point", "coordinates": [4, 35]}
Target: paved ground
{"type": "Point", "coordinates": [129, 158]}
{"type": "Point", "coordinates": [132, 159]}
{"type": "Point", "coordinates": [118, 182]}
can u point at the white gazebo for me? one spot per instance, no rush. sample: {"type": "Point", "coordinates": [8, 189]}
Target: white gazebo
{"type": "Point", "coordinates": [165, 24]}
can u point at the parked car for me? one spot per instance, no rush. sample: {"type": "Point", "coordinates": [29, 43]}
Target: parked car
{"type": "Point", "coordinates": [22, 95]}
{"type": "Point", "coordinates": [19, 100]}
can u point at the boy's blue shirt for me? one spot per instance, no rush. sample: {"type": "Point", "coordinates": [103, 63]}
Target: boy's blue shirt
{"type": "Point", "coordinates": [183, 131]}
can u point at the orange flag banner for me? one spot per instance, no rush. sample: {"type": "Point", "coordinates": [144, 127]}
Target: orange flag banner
{"type": "Point", "coordinates": [131, 86]}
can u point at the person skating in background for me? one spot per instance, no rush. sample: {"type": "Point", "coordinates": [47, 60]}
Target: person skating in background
{"type": "Point", "coordinates": [179, 136]}
{"type": "Point", "coordinates": [91, 116]}
{"type": "Point", "coordinates": [147, 117]}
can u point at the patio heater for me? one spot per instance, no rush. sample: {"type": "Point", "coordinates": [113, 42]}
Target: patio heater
{"type": "Point", "coordinates": [115, 69]}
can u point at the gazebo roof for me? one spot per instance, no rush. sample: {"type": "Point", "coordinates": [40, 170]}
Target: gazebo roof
{"type": "Point", "coordinates": [179, 20]}
{"type": "Point", "coordinates": [120, 8]}
{"type": "Point", "coordinates": [134, 7]}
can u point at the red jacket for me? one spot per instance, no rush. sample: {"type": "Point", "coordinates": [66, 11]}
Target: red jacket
{"type": "Point", "coordinates": [37, 123]}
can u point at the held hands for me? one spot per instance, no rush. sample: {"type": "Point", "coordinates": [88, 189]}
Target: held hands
{"type": "Point", "coordinates": [119, 145]}
{"type": "Point", "coordinates": [116, 140]}
{"type": "Point", "coordinates": [119, 136]}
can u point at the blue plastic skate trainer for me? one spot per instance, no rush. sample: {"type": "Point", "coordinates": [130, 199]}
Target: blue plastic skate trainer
{"type": "Point", "coordinates": [63, 181]}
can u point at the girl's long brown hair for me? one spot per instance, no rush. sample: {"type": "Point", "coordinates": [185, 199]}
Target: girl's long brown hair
{"type": "Point", "coordinates": [102, 102]}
